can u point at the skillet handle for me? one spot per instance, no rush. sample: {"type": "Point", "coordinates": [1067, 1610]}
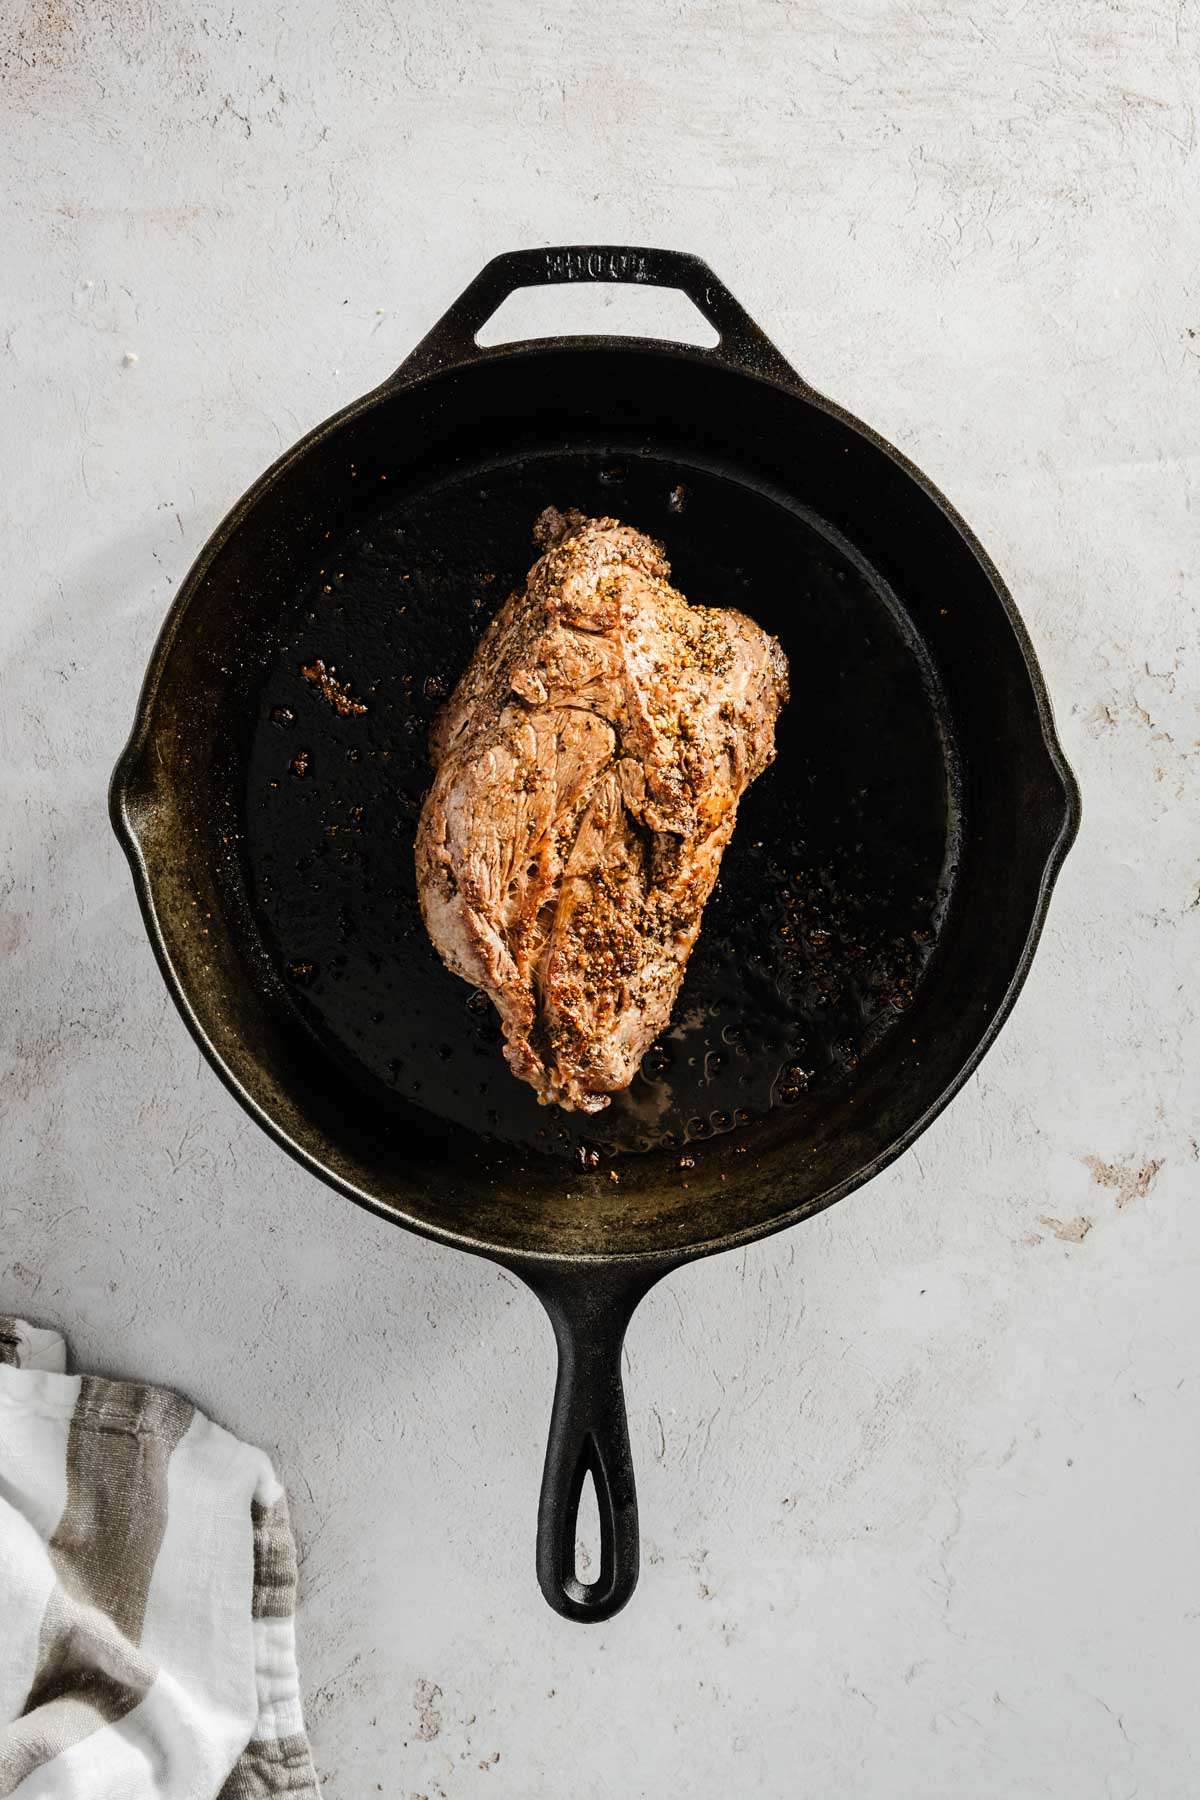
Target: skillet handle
{"type": "Point", "coordinates": [452, 339]}
{"type": "Point", "coordinates": [589, 1435]}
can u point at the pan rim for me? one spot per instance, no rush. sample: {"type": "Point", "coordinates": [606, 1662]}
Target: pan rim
{"type": "Point", "coordinates": [132, 784]}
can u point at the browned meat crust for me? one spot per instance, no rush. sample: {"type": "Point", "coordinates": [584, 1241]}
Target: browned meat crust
{"type": "Point", "coordinates": [589, 768]}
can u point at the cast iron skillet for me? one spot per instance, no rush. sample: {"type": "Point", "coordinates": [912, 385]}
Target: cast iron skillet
{"type": "Point", "coordinates": [877, 911]}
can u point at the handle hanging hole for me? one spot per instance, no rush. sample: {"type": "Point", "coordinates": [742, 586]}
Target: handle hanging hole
{"type": "Point", "coordinates": [587, 1533]}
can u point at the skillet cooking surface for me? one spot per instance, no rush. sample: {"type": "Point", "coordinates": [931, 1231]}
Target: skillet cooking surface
{"type": "Point", "coordinates": [831, 893]}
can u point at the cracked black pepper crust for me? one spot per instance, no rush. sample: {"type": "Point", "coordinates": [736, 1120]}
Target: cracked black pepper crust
{"type": "Point", "coordinates": [589, 768]}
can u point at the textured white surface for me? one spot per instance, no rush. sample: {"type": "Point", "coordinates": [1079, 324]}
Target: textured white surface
{"type": "Point", "coordinates": [919, 1479]}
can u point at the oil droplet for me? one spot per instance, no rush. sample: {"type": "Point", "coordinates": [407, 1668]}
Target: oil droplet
{"type": "Point", "coordinates": [792, 1081]}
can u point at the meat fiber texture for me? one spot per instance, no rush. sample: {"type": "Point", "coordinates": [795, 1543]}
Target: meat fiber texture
{"type": "Point", "coordinates": [589, 767]}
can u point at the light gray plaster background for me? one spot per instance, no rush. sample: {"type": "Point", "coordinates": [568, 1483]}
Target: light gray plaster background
{"type": "Point", "coordinates": [919, 1479]}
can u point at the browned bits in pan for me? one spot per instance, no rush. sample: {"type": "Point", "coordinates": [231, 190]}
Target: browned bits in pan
{"type": "Point", "coordinates": [337, 693]}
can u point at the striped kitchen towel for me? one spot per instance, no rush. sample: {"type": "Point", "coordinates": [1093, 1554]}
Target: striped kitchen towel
{"type": "Point", "coordinates": [147, 1594]}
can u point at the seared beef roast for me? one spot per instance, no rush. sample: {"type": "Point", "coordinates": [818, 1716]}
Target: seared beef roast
{"type": "Point", "coordinates": [588, 772]}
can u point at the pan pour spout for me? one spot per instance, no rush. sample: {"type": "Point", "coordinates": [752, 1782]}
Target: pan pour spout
{"type": "Point", "coordinates": [589, 769]}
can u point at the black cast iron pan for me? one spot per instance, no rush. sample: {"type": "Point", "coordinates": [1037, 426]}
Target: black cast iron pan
{"type": "Point", "coordinates": [877, 910]}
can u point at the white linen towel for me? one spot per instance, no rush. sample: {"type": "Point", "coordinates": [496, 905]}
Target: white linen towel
{"type": "Point", "coordinates": [147, 1595]}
